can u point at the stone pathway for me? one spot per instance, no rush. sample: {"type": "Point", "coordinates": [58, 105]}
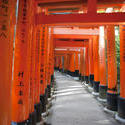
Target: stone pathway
{"type": "Point", "coordinates": [73, 105]}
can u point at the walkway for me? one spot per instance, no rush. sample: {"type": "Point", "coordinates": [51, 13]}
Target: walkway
{"type": "Point", "coordinates": [73, 105]}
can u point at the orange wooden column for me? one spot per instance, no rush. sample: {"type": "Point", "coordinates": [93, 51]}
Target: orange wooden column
{"type": "Point", "coordinates": [32, 38]}
{"type": "Point", "coordinates": [112, 69]}
{"type": "Point", "coordinates": [96, 64]}
{"type": "Point", "coordinates": [6, 53]}
{"type": "Point", "coordinates": [50, 45]}
{"type": "Point", "coordinates": [121, 99]}
{"type": "Point", "coordinates": [72, 64]}
{"type": "Point", "coordinates": [86, 65]}
{"type": "Point", "coordinates": [56, 62]}
{"type": "Point", "coordinates": [91, 63]}
{"type": "Point", "coordinates": [38, 85]}
{"type": "Point", "coordinates": [32, 78]}
{"type": "Point", "coordinates": [43, 68]}
{"type": "Point", "coordinates": [82, 68]}
{"type": "Point", "coordinates": [65, 63]}
{"type": "Point", "coordinates": [68, 61]}
{"type": "Point", "coordinates": [60, 63]}
{"type": "Point", "coordinates": [102, 64]}
{"type": "Point", "coordinates": [76, 64]}
{"type": "Point", "coordinates": [21, 77]}
{"type": "Point", "coordinates": [52, 58]}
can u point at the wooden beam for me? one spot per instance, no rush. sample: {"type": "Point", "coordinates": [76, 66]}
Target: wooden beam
{"type": "Point", "coordinates": [52, 1]}
{"type": "Point", "coordinates": [65, 36]}
{"type": "Point", "coordinates": [81, 18]}
{"type": "Point", "coordinates": [65, 3]}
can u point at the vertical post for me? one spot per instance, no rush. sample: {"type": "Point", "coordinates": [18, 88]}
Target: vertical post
{"type": "Point", "coordinates": [76, 64]}
{"type": "Point", "coordinates": [32, 111]}
{"type": "Point", "coordinates": [72, 64]}
{"type": "Point", "coordinates": [102, 64]}
{"type": "Point", "coordinates": [86, 65]}
{"type": "Point", "coordinates": [37, 74]}
{"type": "Point", "coordinates": [65, 63]}
{"type": "Point", "coordinates": [32, 79]}
{"type": "Point", "coordinates": [91, 63]}
{"type": "Point", "coordinates": [112, 69]}
{"type": "Point", "coordinates": [92, 6]}
{"type": "Point", "coordinates": [42, 70]}
{"type": "Point", "coordinates": [121, 99]}
{"type": "Point", "coordinates": [6, 53]}
{"type": "Point", "coordinates": [21, 77]}
{"type": "Point", "coordinates": [96, 64]}
{"type": "Point", "coordinates": [82, 70]}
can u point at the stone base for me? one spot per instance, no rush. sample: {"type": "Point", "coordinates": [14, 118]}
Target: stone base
{"type": "Point", "coordinates": [38, 108]}
{"type": "Point", "coordinates": [32, 118]}
{"type": "Point", "coordinates": [122, 120]}
{"type": "Point", "coordinates": [109, 111]}
{"type": "Point", "coordinates": [87, 79]}
{"type": "Point", "coordinates": [49, 91]}
{"type": "Point", "coordinates": [52, 78]}
{"type": "Point", "coordinates": [76, 73]}
{"type": "Point", "coordinates": [82, 78]}
{"type": "Point", "coordinates": [96, 86]}
{"type": "Point", "coordinates": [101, 100]}
{"type": "Point", "coordinates": [79, 76]}
{"type": "Point", "coordinates": [102, 91]}
{"type": "Point", "coordinates": [121, 107]}
{"type": "Point", "coordinates": [91, 79]}
{"type": "Point", "coordinates": [112, 101]}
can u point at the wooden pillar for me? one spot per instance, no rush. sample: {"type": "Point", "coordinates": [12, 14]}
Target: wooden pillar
{"type": "Point", "coordinates": [91, 63]}
{"type": "Point", "coordinates": [76, 64]}
{"type": "Point", "coordinates": [72, 64]}
{"type": "Point", "coordinates": [121, 99]}
{"type": "Point", "coordinates": [92, 6]}
{"type": "Point", "coordinates": [112, 69]}
{"type": "Point", "coordinates": [86, 65]}
{"type": "Point", "coordinates": [21, 77]}
{"type": "Point", "coordinates": [102, 64]}
{"type": "Point", "coordinates": [32, 38]}
{"type": "Point", "coordinates": [6, 54]}
{"type": "Point", "coordinates": [82, 64]}
{"type": "Point", "coordinates": [96, 64]}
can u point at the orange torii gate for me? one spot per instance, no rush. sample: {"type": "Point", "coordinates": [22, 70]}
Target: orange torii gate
{"type": "Point", "coordinates": [30, 66]}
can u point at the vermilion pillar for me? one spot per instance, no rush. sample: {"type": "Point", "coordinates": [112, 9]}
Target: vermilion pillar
{"type": "Point", "coordinates": [96, 64]}
{"type": "Point", "coordinates": [32, 79]}
{"type": "Point", "coordinates": [6, 54]}
{"type": "Point", "coordinates": [91, 63]}
{"type": "Point", "coordinates": [38, 84]}
{"type": "Point", "coordinates": [102, 64]}
{"type": "Point", "coordinates": [121, 99]}
{"type": "Point", "coordinates": [60, 63]}
{"type": "Point", "coordinates": [72, 64]}
{"type": "Point", "coordinates": [112, 69]}
{"type": "Point", "coordinates": [21, 78]}
{"type": "Point", "coordinates": [76, 64]}
{"type": "Point", "coordinates": [82, 63]}
{"type": "Point", "coordinates": [43, 68]}
{"type": "Point", "coordinates": [86, 65]}
{"type": "Point", "coordinates": [65, 63]}
{"type": "Point", "coordinates": [32, 38]}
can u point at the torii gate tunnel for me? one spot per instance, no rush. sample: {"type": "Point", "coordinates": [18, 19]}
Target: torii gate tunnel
{"type": "Point", "coordinates": [77, 37]}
